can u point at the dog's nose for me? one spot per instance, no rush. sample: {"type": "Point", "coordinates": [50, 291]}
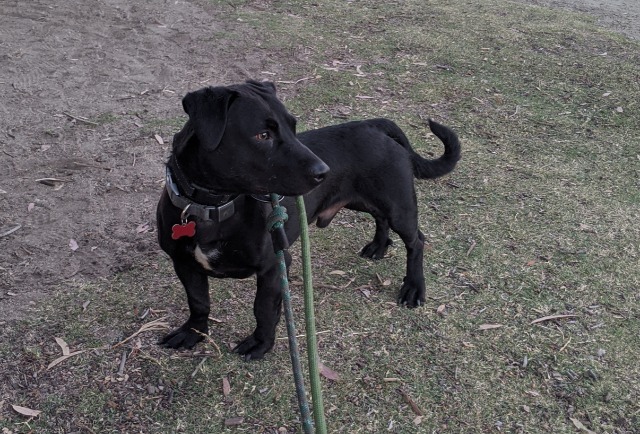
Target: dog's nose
{"type": "Point", "coordinates": [319, 171]}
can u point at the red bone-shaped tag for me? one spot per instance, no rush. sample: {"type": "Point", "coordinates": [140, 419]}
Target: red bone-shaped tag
{"type": "Point", "coordinates": [183, 230]}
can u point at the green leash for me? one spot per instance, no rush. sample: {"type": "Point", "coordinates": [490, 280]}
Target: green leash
{"type": "Point", "coordinates": [310, 322]}
{"type": "Point", "coordinates": [275, 225]}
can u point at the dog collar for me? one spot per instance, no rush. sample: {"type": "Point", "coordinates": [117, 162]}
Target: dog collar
{"type": "Point", "coordinates": [217, 213]}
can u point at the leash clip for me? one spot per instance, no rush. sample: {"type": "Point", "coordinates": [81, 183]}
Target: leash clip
{"type": "Point", "coordinates": [184, 215]}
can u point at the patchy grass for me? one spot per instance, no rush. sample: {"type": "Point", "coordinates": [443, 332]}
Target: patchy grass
{"type": "Point", "coordinates": [539, 219]}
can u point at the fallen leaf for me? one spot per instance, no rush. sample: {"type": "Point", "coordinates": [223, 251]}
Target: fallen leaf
{"type": "Point", "coordinates": [73, 244]}
{"type": "Point", "coordinates": [226, 386]}
{"type": "Point", "coordinates": [338, 272]}
{"type": "Point", "coordinates": [143, 228]}
{"type": "Point", "coordinates": [417, 420]}
{"type": "Point", "coordinates": [56, 183]}
{"type": "Point", "coordinates": [63, 346]}
{"type": "Point", "coordinates": [9, 231]}
{"type": "Point", "coordinates": [31, 206]}
{"type": "Point", "coordinates": [619, 109]}
{"type": "Point", "coordinates": [365, 291]}
{"type": "Point", "coordinates": [530, 263]}
{"type": "Point", "coordinates": [233, 421]}
{"type": "Point", "coordinates": [489, 326]}
{"type": "Point", "coordinates": [327, 373]}
{"type": "Point", "coordinates": [411, 402]}
{"type": "Point", "coordinates": [440, 309]}
{"type": "Point", "coordinates": [551, 317]}
{"type": "Point", "coordinates": [26, 411]}
{"type": "Point", "coordinates": [155, 325]}
{"type": "Point", "coordinates": [580, 425]}
{"type": "Point", "coordinates": [85, 304]}
{"type": "Point", "coordinates": [158, 139]}
{"type": "Point", "coordinates": [63, 358]}
{"type": "Point", "coordinates": [606, 94]}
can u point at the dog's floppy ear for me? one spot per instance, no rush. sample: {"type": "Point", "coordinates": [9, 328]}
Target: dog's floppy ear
{"type": "Point", "coordinates": [267, 86]}
{"type": "Point", "coordinates": [207, 109]}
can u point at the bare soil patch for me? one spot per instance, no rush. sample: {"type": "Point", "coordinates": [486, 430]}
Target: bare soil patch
{"type": "Point", "coordinates": [85, 87]}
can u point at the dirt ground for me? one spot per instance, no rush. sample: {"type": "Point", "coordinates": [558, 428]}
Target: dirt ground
{"type": "Point", "coordinates": [85, 88]}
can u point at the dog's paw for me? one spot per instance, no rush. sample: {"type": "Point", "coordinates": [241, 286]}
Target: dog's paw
{"type": "Point", "coordinates": [182, 337]}
{"type": "Point", "coordinates": [411, 295]}
{"type": "Point", "coordinates": [252, 348]}
{"type": "Point", "coordinates": [375, 250]}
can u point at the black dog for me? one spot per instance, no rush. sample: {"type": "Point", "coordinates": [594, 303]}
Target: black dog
{"type": "Point", "coordinates": [239, 144]}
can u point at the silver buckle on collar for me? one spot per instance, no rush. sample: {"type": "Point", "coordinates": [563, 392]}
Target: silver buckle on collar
{"type": "Point", "coordinates": [222, 212]}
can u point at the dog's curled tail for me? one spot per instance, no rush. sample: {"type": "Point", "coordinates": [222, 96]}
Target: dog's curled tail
{"type": "Point", "coordinates": [424, 168]}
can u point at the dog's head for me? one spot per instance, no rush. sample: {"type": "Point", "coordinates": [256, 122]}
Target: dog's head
{"type": "Point", "coordinates": [241, 140]}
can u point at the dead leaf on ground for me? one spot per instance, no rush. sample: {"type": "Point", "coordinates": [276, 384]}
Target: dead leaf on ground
{"type": "Point", "coordinates": [63, 358]}
{"type": "Point", "coordinates": [338, 272]}
{"type": "Point", "coordinates": [4, 232]}
{"type": "Point", "coordinates": [365, 291]}
{"type": "Point", "coordinates": [31, 206]}
{"type": "Point", "coordinates": [143, 228]}
{"type": "Point", "coordinates": [551, 317]}
{"type": "Point", "coordinates": [26, 411]}
{"type": "Point", "coordinates": [233, 421]}
{"type": "Point", "coordinates": [158, 139]}
{"type": "Point", "coordinates": [327, 373]}
{"type": "Point", "coordinates": [383, 282]}
{"type": "Point", "coordinates": [579, 425]}
{"type": "Point", "coordinates": [155, 325]}
{"type": "Point", "coordinates": [489, 326]}
{"type": "Point", "coordinates": [56, 183]}
{"type": "Point", "coordinates": [73, 244]}
{"type": "Point", "coordinates": [63, 345]}
{"type": "Point", "coordinates": [226, 386]}
{"type": "Point", "coordinates": [411, 402]}
{"type": "Point", "coordinates": [440, 309]}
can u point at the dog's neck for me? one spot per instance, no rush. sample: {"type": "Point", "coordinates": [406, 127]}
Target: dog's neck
{"type": "Point", "coordinates": [192, 191]}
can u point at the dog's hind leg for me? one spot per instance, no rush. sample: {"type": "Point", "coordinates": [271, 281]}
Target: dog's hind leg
{"type": "Point", "coordinates": [267, 308]}
{"type": "Point", "coordinates": [377, 248]}
{"type": "Point", "coordinates": [412, 292]}
{"type": "Point", "coordinates": [197, 286]}
{"type": "Point", "coordinates": [404, 221]}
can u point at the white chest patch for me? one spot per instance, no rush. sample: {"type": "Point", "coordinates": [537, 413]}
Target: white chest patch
{"type": "Point", "coordinates": [206, 258]}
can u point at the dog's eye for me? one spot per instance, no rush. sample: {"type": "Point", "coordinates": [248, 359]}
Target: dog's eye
{"type": "Point", "coordinates": [263, 136]}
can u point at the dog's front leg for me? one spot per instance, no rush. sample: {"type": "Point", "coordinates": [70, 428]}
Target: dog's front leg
{"type": "Point", "coordinates": [196, 285]}
{"type": "Point", "coordinates": [267, 308]}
